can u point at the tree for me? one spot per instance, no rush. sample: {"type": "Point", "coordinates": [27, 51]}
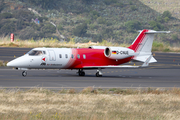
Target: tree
{"type": "Point", "coordinates": [174, 37]}
{"type": "Point", "coordinates": [107, 33]}
{"type": "Point", "coordinates": [166, 19]}
{"type": "Point", "coordinates": [7, 28]}
{"type": "Point", "coordinates": [20, 24]}
{"type": "Point", "coordinates": [80, 30]}
{"type": "Point", "coordinates": [60, 27]}
{"type": "Point", "coordinates": [156, 25]}
{"type": "Point", "coordinates": [44, 3]}
{"type": "Point", "coordinates": [101, 20]}
{"type": "Point", "coordinates": [86, 1]}
{"type": "Point", "coordinates": [160, 19]}
{"type": "Point", "coordinates": [97, 37]}
{"type": "Point", "coordinates": [6, 15]}
{"type": "Point", "coordinates": [94, 14]}
{"type": "Point", "coordinates": [133, 25]}
{"type": "Point", "coordinates": [2, 5]}
{"type": "Point", "coordinates": [166, 14]}
{"type": "Point", "coordinates": [108, 2]}
{"type": "Point", "coordinates": [42, 19]}
{"type": "Point", "coordinates": [27, 33]}
{"type": "Point", "coordinates": [119, 5]}
{"type": "Point", "coordinates": [48, 28]}
{"type": "Point", "coordinates": [23, 15]}
{"type": "Point", "coordinates": [133, 8]}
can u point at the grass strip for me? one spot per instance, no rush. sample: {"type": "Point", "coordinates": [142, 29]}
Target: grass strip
{"type": "Point", "coordinates": [5, 42]}
{"type": "Point", "coordinates": [92, 104]}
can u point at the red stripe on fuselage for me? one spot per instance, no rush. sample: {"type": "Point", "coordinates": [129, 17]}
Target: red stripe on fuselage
{"type": "Point", "coordinates": [93, 57]}
{"type": "Point", "coordinates": [72, 60]}
{"type": "Point", "coordinates": [135, 46]}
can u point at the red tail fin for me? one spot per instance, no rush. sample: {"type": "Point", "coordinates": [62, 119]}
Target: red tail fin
{"type": "Point", "coordinates": [143, 45]}
{"type": "Point", "coordinates": [138, 41]}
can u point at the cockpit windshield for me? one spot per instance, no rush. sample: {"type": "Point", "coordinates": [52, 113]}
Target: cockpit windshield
{"type": "Point", "coordinates": [36, 52]}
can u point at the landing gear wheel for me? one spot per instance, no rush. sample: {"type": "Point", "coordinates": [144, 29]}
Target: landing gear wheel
{"type": "Point", "coordinates": [98, 75]}
{"type": "Point", "coordinates": [24, 73]}
{"type": "Point", "coordinates": [81, 72]}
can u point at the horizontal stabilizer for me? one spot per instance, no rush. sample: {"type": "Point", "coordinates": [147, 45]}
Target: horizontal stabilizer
{"type": "Point", "coordinates": [144, 58]}
{"type": "Point", "coordinates": [153, 32]}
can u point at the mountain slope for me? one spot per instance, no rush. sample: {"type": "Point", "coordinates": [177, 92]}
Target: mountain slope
{"type": "Point", "coordinates": [113, 20]}
{"type": "Point", "coordinates": [163, 5]}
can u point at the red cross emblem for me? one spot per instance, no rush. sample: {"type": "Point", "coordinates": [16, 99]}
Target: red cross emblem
{"type": "Point", "coordinates": [44, 59]}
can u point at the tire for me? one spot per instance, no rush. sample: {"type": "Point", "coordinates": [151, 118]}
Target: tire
{"type": "Point", "coordinates": [97, 75]}
{"type": "Point", "coordinates": [81, 73]}
{"type": "Point", "coordinates": [24, 73]}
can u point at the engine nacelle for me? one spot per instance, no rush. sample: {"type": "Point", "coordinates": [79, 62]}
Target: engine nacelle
{"type": "Point", "coordinates": [118, 52]}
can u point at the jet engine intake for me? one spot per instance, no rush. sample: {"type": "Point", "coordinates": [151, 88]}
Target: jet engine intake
{"type": "Point", "coordinates": [118, 52]}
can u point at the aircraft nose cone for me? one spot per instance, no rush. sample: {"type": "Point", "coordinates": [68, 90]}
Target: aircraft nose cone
{"type": "Point", "coordinates": [14, 63]}
{"type": "Point", "coordinates": [19, 62]}
{"type": "Point", "coordinates": [10, 64]}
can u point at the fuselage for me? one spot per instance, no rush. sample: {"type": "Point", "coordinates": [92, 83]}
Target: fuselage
{"type": "Point", "coordinates": [64, 58]}
{"type": "Point", "coordinates": [94, 57]}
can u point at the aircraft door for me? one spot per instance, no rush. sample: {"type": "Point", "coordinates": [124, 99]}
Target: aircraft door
{"type": "Point", "coordinates": [52, 56]}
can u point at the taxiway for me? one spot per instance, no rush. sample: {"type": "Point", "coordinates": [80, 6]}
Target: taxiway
{"type": "Point", "coordinates": [163, 74]}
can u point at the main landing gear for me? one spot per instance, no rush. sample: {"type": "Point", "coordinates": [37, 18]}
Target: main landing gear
{"type": "Point", "coordinates": [24, 73]}
{"type": "Point", "coordinates": [99, 73]}
{"type": "Point", "coordinates": [82, 73]}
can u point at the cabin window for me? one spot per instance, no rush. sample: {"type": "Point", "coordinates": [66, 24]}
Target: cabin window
{"type": "Point", "coordinates": [84, 56]}
{"type": "Point", "coordinates": [35, 53]}
{"type": "Point", "coordinates": [66, 56]}
{"type": "Point", "coordinates": [78, 56]}
{"type": "Point", "coordinates": [60, 56]}
{"type": "Point", "coordinates": [72, 56]}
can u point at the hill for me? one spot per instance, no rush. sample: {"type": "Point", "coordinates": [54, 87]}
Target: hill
{"type": "Point", "coordinates": [113, 20]}
{"type": "Point", "coordinates": [164, 5]}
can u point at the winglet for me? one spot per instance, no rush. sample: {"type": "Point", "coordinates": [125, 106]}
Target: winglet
{"type": "Point", "coordinates": [146, 63]}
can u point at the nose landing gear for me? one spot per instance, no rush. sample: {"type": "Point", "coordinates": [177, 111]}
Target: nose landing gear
{"type": "Point", "coordinates": [24, 73]}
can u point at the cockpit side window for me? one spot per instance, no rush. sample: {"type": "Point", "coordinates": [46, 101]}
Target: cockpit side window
{"type": "Point", "coordinates": [35, 53]}
{"type": "Point", "coordinates": [44, 52]}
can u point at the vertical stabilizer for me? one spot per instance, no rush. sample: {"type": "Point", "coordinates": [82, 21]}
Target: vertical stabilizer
{"type": "Point", "coordinates": [143, 45]}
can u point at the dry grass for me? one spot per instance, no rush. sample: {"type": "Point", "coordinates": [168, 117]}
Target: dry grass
{"type": "Point", "coordinates": [5, 42]}
{"type": "Point", "coordinates": [3, 63]}
{"type": "Point", "coordinates": [41, 104]}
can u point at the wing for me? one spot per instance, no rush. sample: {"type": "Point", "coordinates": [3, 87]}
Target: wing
{"type": "Point", "coordinates": [110, 67]}
{"type": "Point", "coordinates": [145, 64]}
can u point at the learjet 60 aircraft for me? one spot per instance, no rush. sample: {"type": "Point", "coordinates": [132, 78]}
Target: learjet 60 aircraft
{"type": "Point", "coordinates": [94, 57]}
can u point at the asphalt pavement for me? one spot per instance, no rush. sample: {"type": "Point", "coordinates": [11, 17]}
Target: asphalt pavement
{"type": "Point", "coordinates": [163, 74]}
